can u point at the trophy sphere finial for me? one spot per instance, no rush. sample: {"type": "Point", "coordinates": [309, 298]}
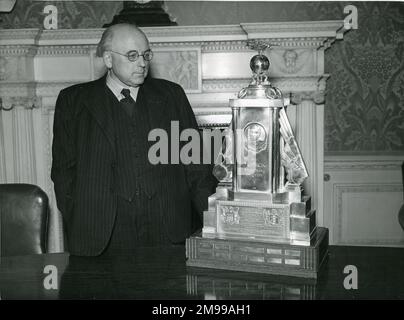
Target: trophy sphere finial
{"type": "Point", "coordinates": [259, 64]}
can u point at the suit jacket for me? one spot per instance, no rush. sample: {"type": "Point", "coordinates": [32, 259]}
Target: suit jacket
{"type": "Point", "coordinates": [84, 155]}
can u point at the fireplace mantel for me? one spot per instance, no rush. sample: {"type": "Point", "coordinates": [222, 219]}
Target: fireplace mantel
{"type": "Point", "coordinates": [210, 62]}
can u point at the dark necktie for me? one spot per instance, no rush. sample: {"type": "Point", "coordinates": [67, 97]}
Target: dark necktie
{"type": "Point", "coordinates": [127, 103]}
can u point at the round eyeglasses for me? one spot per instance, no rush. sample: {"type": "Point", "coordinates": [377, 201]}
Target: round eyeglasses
{"type": "Point", "coordinates": [133, 55]}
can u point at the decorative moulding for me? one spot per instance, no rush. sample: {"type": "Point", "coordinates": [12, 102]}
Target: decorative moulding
{"type": "Point", "coordinates": [17, 89]}
{"type": "Point", "coordinates": [286, 83]}
{"type": "Point", "coordinates": [360, 163]}
{"type": "Point", "coordinates": [18, 94]}
{"type": "Point", "coordinates": [330, 28]}
{"type": "Point", "coordinates": [213, 46]}
{"type": "Point", "coordinates": [70, 37]}
{"type": "Point", "coordinates": [65, 50]}
{"type": "Point", "coordinates": [220, 85]}
{"type": "Point", "coordinates": [313, 32]}
{"type": "Point", "coordinates": [179, 64]}
{"type": "Point", "coordinates": [18, 50]}
{"type": "Point", "coordinates": [52, 89]}
{"type": "Point", "coordinates": [341, 191]}
{"type": "Point", "coordinates": [10, 103]}
{"type": "Point", "coordinates": [19, 36]}
{"type": "Point", "coordinates": [316, 96]}
{"type": "Point", "coordinates": [195, 33]}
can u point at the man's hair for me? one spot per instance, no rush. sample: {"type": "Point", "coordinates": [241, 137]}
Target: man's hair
{"type": "Point", "coordinates": [105, 43]}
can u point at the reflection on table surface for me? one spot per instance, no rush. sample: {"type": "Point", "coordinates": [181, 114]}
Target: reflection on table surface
{"type": "Point", "coordinates": [161, 273]}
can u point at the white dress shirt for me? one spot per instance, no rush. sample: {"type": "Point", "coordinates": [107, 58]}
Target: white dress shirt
{"type": "Point", "coordinates": [116, 88]}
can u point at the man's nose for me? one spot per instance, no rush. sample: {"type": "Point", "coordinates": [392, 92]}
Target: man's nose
{"type": "Point", "coordinates": [141, 61]}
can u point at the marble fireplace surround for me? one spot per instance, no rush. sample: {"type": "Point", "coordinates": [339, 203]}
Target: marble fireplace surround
{"type": "Point", "coordinates": [210, 62]}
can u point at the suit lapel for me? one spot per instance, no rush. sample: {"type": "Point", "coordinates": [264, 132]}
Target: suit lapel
{"type": "Point", "coordinates": [154, 104]}
{"type": "Point", "coordinates": [98, 105]}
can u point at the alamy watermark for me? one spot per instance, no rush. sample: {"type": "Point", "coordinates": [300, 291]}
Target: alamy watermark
{"type": "Point", "coordinates": [191, 147]}
{"type": "Point", "coordinates": [351, 280]}
{"type": "Point", "coordinates": [50, 282]}
{"type": "Point", "coordinates": [351, 20]}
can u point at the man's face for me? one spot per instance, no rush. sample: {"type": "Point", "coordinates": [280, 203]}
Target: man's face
{"type": "Point", "coordinates": [131, 73]}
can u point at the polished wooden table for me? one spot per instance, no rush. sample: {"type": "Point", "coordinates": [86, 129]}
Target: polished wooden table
{"type": "Point", "coordinates": [161, 273]}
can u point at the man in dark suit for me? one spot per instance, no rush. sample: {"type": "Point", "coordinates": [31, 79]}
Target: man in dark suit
{"type": "Point", "coordinates": [111, 197]}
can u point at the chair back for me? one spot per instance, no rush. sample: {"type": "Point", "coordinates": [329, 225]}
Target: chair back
{"type": "Point", "coordinates": [24, 214]}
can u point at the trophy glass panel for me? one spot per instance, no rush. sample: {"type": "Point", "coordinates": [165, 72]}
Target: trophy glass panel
{"type": "Point", "coordinates": [254, 148]}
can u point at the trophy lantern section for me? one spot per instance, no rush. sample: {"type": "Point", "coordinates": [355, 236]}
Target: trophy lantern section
{"type": "Point", "coordinates": [257, 168]}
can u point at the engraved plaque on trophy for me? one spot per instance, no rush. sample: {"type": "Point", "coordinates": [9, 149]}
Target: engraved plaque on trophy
{"type": "Point", "coordinates": [258, 220]}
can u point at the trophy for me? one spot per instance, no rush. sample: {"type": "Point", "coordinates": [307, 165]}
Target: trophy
{"type": "Point", "coordinates": [258, 220]}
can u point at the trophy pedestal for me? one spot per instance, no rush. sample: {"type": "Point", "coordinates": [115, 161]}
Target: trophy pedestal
{"type": "Point", "coordinates": [258, 256]}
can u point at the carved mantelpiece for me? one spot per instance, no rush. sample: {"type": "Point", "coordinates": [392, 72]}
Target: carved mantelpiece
{"type": "Point", "coordinates": [297, 58]}
{"type": "Point", "coordinates": [210, 62]}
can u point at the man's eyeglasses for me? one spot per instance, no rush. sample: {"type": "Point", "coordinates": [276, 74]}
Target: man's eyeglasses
{"type": "Point", "coordinates": [133, 55]}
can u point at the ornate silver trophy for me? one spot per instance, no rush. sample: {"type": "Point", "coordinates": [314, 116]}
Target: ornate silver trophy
{"type": "Point", "coordinates": [258, 220]}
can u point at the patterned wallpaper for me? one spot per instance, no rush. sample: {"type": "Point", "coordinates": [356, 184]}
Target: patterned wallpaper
{"type": "Point", "coordinates": [365, 96]}
{"type": "Point", "coordinates": [71, 14]}
{"type": "Point", "coordinates": [364, 109]}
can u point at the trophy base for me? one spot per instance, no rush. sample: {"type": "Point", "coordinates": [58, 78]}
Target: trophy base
{"type": "Point", "coordinates": [258, 256]}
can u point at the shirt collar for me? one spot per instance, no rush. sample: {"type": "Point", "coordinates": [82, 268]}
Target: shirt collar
{"type": "Point", "coordinates": [116, 88]}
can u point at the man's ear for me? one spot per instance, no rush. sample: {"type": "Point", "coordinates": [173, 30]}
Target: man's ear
{"type": "Point", "coordinates": [107, 57]}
